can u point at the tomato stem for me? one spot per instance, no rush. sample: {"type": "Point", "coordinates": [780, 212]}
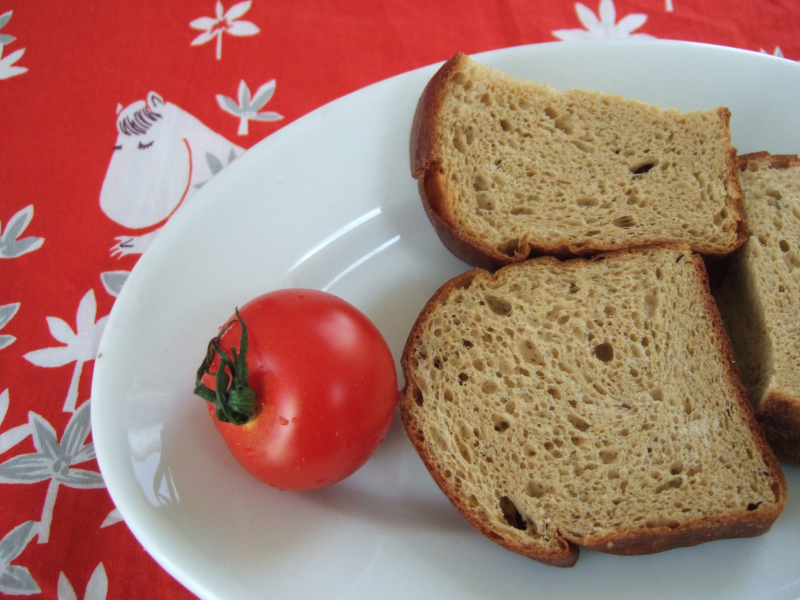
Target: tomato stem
{"type": "Point", "coordinates": [233, 398]}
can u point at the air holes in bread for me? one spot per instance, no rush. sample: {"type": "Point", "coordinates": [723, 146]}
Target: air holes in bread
{"type": "Point", "coordinates": [481, 183]}
{"type": "Point", "coordinates": [506, 125]}
{"type": "Point", "coordinates": [588, 201]}
{"type": "Point", "coordinates": [672, 484]}
{"type": "Point", "coordinates": [488, 387]}
{"type": "Point", "coordinates": [485, 200]}
{"type": "Point", "coordinates": [509, 248]}
{"type": "Point", "coordinates": [650, 304]}
{"type": "Point", "coordinates": [440, 439]}
{"type": "Point", "coordinates": [417, 395]}
{"type": "Point", "coordinates": [624, 221]}
{"type": "Point", "coordinates": [565, 123]}
{"type": "Point", "coordinates": [641, 168]}
{"type": "Point", "coordinates": [499, 306]}
{"type": "Point", "coordinates": [511, 514]}
{"type": "Point", "coordinates": [604, 352]}
{"type": "Point", "coordinates": [521, 210]}
{"type": "Point", "coordinates": [501, 423]}
{"type": "Point", "coordinates": [577, 422]}
{"type": "Point", "coordinates": [460, 77]}
{"type": "Point", "coordinates": [608, 456]}
{"type": "Point", "coordinates": [536, 489]}
{"type": "Point", "coordinates": [530, 353]}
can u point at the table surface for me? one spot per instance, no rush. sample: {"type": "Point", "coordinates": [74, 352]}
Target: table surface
{"type": "Point", "coordinates": [74, 77]}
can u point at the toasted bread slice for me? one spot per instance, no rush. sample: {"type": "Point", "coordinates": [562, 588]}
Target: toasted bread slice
{"type": "Point", "coordinates": [593, 403]}
{"type": "Point", "coordinates": [760, 298]}
{"type": "Point", "coordinates": [510, 169]}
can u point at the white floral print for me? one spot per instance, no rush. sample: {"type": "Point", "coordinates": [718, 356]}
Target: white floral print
{"type": "Point", "coordinates": [223, 22]}
{"type": "Point", "coordinates": [604, 27]}
{"type": "Point", "coordinates": [96, 589]}
{"type": "Point", "coordinates": [80, 347]}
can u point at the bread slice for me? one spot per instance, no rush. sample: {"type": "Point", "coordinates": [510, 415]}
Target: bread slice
{"type": "Point", "coordinates": [592, 402]}
{"type": "Point", "coordinates": [510, 169]}
{"type": "Point", "coordinates": [760, 298]}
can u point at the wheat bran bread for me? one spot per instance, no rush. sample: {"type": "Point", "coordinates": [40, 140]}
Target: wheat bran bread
{"type": "Point", "coordinates": [509, 169]}
{"type": "Point", "coordinates": [593, 403]}
{"type": "Point", "coordinates": [760, 298]}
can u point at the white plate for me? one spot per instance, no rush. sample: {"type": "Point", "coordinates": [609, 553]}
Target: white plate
{"type": "Point", "coordinates": [328, 202]}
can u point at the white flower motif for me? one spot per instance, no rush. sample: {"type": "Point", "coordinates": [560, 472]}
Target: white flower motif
{"type": "Point", "coordinates": [10, 246]}
{"type": "Point", "coordinates": [224, 22]}
{"type": "Point", "coordinates": [16, 580]}
{"type": "Point", "coordinates": [12, 437]}
{"type": "Point", "coordinates": [53, 460]}
{"type": "Point", "coordinates": [96, 589]}
{"type": "Point", "coordinates": [606, 26]}
{"type": "Point", "coordinates": [248, 107]}
{"type": "Point", "coordinates": [6, 64]}
{"type": "Point", "coordinates": [80, 347]}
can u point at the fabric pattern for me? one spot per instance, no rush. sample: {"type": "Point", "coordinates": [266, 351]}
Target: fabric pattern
{"type": "Point", "coordinates": [113, 115]}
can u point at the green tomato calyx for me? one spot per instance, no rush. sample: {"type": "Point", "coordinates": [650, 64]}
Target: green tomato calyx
{"type": "Point", "coordinates": [233, 398]}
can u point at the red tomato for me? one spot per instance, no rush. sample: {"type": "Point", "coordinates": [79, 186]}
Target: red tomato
{"type": "Point", "coordinates": [323, 381]}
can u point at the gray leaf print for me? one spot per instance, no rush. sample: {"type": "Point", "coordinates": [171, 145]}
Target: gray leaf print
{"type": "Point", "coordinates": [76, 433]}
{"type": "Point", "coordinates": [214, 163]}
{"type": "Point", "coordinates": [227, 103]}
{"type": "Point", "coordinates": [82, 479]}
{"type": "Point", "coordinates": [114, 280]}
{"type": "Point", "coordinates": [26, 468]}
{"type": "Point", "coordinates": [248, 107]}
{"type": "Point", "coordinates": [5, 18]}
{"type": "Point", "coordinates": [7, 313]}
{"type": "Point", "coordinates": [84, 454]}
{"type": "Point", "coordinates": [267, 116]}
{"type": "Point", "coordinates": [10, 246]}
{"type": "Point", "coordinates": [16, 580]}
{"type": "Point", "coordinates": [15, 541]}
{"type": "Point", "coordinates": [44, 437]}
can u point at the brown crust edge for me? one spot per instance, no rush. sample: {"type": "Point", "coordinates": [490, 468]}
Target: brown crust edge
{"type": "Point", "coordinates": [474, 251]}
{"type": "Point", "coordinates": [778, 413]}
{"type": "Point", "coordinates": [643, 541]}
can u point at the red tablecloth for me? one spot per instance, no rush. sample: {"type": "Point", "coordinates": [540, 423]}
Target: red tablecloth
{"type": "Point", "coordinates": [72, 224]}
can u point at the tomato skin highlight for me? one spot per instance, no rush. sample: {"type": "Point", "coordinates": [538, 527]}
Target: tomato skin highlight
{"type": "Point", "coordinates": [325, 384]}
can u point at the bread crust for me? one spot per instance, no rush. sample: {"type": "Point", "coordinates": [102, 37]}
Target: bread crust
{"type": "Point", "coordinates": [437, 201]}
{"type": "Point", "coordinates": [645, 540]}
{"type": "Point", "coordinates": [777, 413]}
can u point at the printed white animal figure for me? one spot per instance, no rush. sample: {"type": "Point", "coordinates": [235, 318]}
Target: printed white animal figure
{"type": "Point", "coordinates": [162, 156]}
